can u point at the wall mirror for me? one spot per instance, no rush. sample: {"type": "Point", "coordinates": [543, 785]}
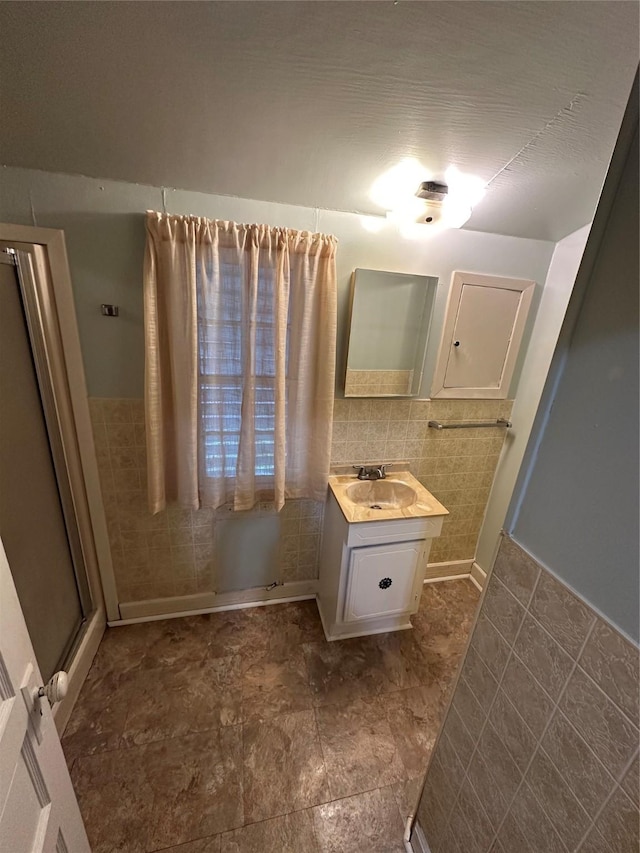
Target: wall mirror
{"type": "Point", "coordinates": [388, 333]}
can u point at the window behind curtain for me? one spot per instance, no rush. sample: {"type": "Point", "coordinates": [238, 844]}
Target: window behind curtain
{"type": "Point", "coordinates": [221, 429]}
{"type": "Point", "coordinates": [221, 374]}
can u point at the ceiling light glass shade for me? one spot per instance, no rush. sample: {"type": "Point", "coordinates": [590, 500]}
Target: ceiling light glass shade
{"type": "Point", "coordinates": [392, 189]}
{"type": "Point", "coordinates": [464, 188]}
{"type": "Point", "coordinates": [408, 210]}
{"type": "Point", "coordinates": [395, 191]}
{"type": "Point", "coordinates": [374, 224]}
{"type": "Point", "coordinates": [419, 231]}
{"type": "Point", "coordinates": [455, 212]}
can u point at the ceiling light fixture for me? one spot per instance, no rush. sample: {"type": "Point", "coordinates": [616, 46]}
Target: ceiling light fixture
{"type": "Point", "coordinates": [435, 205]}
{"type": "Point", "coordinates": [397, 184]}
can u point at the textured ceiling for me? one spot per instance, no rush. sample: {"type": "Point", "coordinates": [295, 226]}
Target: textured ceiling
{"type": "Point", "coordinates": [308, 102]}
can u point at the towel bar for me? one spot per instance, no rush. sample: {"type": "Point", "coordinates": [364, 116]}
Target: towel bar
{"type": "Point", "coordinates": [501, 422]}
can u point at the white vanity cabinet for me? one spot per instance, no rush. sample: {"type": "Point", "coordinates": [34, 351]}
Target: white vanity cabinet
{"type": "Point", "coordinates": [371, 572]}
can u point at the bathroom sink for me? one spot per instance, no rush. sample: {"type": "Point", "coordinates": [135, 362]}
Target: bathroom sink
{"type": "Point", "coordinates": [381, 494]}
{"type": "Point", "coordinates": [398, 496]}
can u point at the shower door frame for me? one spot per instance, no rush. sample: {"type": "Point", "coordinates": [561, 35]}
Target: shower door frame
{"type": "Point", "coordinates": [47, 293]}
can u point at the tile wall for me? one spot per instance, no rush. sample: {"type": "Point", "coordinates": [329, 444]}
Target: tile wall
{"type": "Point", "coordinates": [365, 383]}
{"type": "Point", "coordinates": [172, 553]}
{"type": "Point", "coordinates": [539, 750]}
{"type": "Point", "coordinates": [457, 466]}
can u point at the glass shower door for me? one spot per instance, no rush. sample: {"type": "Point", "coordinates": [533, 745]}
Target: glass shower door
{"type": "Point", "coordinates": [33, 525]}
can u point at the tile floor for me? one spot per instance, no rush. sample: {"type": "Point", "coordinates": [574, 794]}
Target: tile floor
{"type": "Point", "coordinates": [246, 732]}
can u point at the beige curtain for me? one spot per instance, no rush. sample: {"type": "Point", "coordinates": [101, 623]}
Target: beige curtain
{"type": "Point", "coordinates": [240, 332]}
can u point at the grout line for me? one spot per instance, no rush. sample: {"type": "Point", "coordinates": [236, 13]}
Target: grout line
{"type": "Point", "coordinates": [625, 769]}
{"type": "Point", "coordinates": [544, 731]}
{"type": "Point", "coordinates": [486, 720]}
{"type": "Point", "coordinates": [601, 690]}
{"type": "Point", "coordinates": [606, 800]}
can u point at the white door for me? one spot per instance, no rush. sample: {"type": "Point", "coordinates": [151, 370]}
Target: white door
{"type": "Point", "coordinates": [38, 809]}
{"type": "Point", "coordinates": [382, 580]}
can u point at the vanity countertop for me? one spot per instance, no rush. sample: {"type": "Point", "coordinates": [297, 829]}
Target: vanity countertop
{"type": "Point", "coordinates": [425, 505]}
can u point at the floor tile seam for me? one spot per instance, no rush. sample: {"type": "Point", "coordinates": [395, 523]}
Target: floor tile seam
{"type": "Point", "coordinates": [396, 741]}
{"type": "Point", "coordinates": [268, 659]}
{"type": "Point", "coordinates": [125, 747]}
{"type": "Point", "coordinates": [381, 695]}
{"type": "Point", "coordinates": [322, 752]}
{"type": "Point", "coordinates": [121, 730]}
{"type": "Point", "coordinates": [190, 733]}
{"type": "Point", "coordinates": [357, 794]}
{"type": "Point", "coordinates": [363, 791]}
{"type": "Point", "coordinates": [242, 772]}
{"type": "Point", "coordinates": [83, 755]}
{"type": "Point", "coordinates": [207, 656]}
{"type": "Point", "coordinates": [269, 718]}
{"type": "Point", "coordinates": [163, 665]}
{"type": "Point", "coordinates": [278, 814]}
{"type": "Point", "coordinates": [264, 820]}
{"type": "Point", "coordinates": [328, 776]}
{"type": "Point", "coordinates": [172, 847]}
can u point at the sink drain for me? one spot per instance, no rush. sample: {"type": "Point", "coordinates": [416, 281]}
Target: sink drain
{"type": "Point", "coordinates": [375, 506]}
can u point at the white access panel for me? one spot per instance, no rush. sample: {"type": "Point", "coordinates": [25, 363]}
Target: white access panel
{"type": "Point", "coordinates": [381, 580]}
{"type": "Point", "coordinates": [481, 337]}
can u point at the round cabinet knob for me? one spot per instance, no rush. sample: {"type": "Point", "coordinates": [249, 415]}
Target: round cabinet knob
{"type": "Point", "coordinates": [385, 583]}
{"type": "Point", "coordinates": [456, 343]}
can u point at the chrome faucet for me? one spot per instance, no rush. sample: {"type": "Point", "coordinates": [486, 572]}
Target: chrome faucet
{"type": "Point", "coordinates": [374, 472]}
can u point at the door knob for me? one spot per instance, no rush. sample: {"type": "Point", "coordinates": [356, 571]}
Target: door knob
{"type": "Point", "coordinates": [56, 688]}
{"type": "Point", "coordinates": [34, 697]}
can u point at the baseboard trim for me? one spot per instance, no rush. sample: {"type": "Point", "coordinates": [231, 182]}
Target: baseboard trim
{"type": "Point", "coordinates": [438, 571]}
{"type": "Point", "coordinates": [478, 576]}
{"type": "Point", "coordinates": [446, 578]}
{"type": "Point", "coordinates": [418, 842]}
{"type": "Point", "coordinates": [153, 609]}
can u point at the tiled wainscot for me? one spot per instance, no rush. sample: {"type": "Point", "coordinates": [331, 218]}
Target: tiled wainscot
{"type": "Point", "coordinates": [172, 553]}
{"type": "Point", "coordinates": [539, 750]}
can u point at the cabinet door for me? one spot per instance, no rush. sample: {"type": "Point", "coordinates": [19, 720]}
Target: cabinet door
{"type": "Point", "coordinates": [382, 580]}
{"type": "Point", "coordinates": [481, 337]}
